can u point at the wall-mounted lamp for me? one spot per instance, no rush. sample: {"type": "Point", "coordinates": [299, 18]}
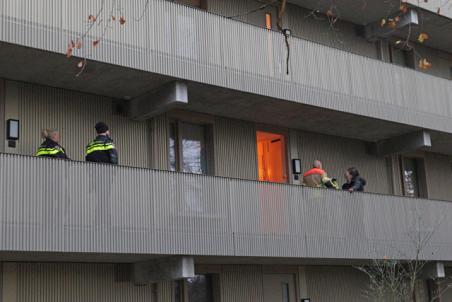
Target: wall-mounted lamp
{"type": "Point", "coordinates": [12, 127]}
{"type": "Point", "coordinates": [305, 300]}
{"type": "Point", "coordinates": [296, 166]}
{"type": "Point", "coordinates": [296, 169]}
{"type": "Point", "coordinates": [12, 132]}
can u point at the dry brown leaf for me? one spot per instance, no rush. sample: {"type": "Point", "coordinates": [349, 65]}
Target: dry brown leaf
{"type": "Point", "coordinates": [424, 64]}
{"type": "Point", "coordinates": [423, 37]}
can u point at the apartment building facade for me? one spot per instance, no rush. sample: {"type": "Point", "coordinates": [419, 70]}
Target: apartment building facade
{"type": "Point", "coordinates": [213, 125]}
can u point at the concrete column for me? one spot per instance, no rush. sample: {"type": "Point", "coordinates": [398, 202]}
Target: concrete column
{"type": "Point", "coordinates": [12, 111]}
{"type": "Point", "coordinates": [9, 282]}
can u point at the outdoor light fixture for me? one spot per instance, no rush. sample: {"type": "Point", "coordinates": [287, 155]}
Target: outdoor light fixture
{"type": "Point", "coordinates": [296, 166]}
{"type": "Point", "coordinates": [12, 130]}
{"type": "Point", "coordinates": [305, 300]}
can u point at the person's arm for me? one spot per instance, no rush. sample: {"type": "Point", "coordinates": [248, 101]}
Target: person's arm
{"type": "Point", "coordinates": [357, 184]}
{"type": "Point", "coordinates": [113, 153]}
{"type": "Point", "coordinates": [326, 181]}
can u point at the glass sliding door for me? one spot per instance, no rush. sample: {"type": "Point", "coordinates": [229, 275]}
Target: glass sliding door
{"type": "Point", "coordinates": [187, 148]}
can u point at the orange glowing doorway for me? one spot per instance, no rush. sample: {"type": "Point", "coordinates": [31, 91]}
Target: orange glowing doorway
{"type": "Point", "coordinates": [271, 153]}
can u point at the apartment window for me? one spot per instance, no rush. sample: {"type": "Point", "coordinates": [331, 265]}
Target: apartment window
{"type": "Point", "coordinates": [189, 147]}
{"type": "Point", "coordinates": [196, 289]}
{"type": "Point", "coordinates": [268, 21]}
{"type": "Point", "coordinates": [413, 177]}
{"type": "Point", "coordinates": [271, 153]}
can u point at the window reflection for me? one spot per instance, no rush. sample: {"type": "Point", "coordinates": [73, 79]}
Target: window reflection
{"type": "Point", "coordinates": [187, 148]}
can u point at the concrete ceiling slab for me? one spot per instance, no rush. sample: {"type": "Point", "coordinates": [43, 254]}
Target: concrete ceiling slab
{"type": "Point", "coordinates": [52, 69]}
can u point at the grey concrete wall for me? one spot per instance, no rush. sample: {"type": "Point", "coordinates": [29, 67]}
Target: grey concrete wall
{"type": "Point", "coordinates": [338, 154]}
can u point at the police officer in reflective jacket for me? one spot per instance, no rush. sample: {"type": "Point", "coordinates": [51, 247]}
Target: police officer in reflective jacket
{"type": "Point", "coordinates": [102, 149]}
{"type": "Point", "coordinates": [51, 145]}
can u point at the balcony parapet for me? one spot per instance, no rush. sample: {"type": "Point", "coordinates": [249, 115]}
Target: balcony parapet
{"type": "Point", "coordinates": [60, 206]}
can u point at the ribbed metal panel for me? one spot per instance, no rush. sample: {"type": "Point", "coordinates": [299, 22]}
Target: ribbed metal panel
{"type": "Point", "coordinates": [71, 206]}
{"type": "Point", "coordinates": [326, 284]}
{"type": "Point", "coordinates": [165, 292]}
{"type": "Point", "coordinates": [159, 142]}
{"type": "Point", "coordinates": [191, 44]}
{"type": "Point", "coordinates": [439, 176]}
{"type": "Point", "coordinates": [1, 282]}
{"type": "Point", "coordinates": [235, 149]}
{"type": "Point", "coordinates": [338, 154]}
{"type": "Point", "coordinates": [75, 282]}
{"type": "Point", "coordinates": [342, 37]}
{"type": "Point", "coordinates": [242, 283]}
{"type": "Point", "coordinates": [75, 115]}
{"type": "Point", "coordinates": [62, 206]}
{"type": "Point", "coordinates": [2, 116]}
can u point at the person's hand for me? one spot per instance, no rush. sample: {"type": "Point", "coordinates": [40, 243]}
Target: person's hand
{"type": "Point", "coordinates": [351, 190]}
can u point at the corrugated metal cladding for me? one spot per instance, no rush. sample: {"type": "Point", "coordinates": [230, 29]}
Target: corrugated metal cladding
{"type": "Point", "coordinates": [85, 207]}
{"type": "Point", "coordinates": [439, 176]}
{"type": "Point", "coordinates": [326, 284]}
{"type": "Point", "coordinates": [191, 44]}
{"type": "Point", "coordinates": [338, 154]}
{"type": "Point", "coordinates": [242, 283]}
{"type": "Point", "coordinates": [344, 37]}
{"type": "Point", "coordinates": [235, 149]}
{"type": "Point", "coordinates": [159, 142]}
{"type": "Point", "coordinates": [52, 282]}
{"type": "Point", "coordinates": [75, 115]}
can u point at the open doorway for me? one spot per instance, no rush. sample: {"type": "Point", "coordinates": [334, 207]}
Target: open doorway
{"type": "Point", "coordinates": [271, 153]}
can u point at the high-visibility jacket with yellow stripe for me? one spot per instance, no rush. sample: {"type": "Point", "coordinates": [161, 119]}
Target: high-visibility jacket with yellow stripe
{"type": "Point", "coordinates": [49, 148]}
{"type": "Point", "coordinates": [102, 150]}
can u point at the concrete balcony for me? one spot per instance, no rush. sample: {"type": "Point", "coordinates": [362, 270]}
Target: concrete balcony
{"type": "Point", "coordinates": [77, 209]}
{"type": "Point", "coordinates": [173, 41]}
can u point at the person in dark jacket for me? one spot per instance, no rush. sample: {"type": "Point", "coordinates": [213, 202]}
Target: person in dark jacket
{"type": "Point", "coordinates": [51, 145]}
{"type": "Point", "coordinates": [102, 149]}
{"type": "Point", "coordinates": [355, 183]}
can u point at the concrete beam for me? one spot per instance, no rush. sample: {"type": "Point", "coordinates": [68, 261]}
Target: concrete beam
{"type": "Point", "coordinates": [374, 31]}
{"type": "Point", "coordinates": [165, 269]}
{"type": "Point", "coordinates": [410, 142]}
{"type": "Point", "coordinates": [169, 96]}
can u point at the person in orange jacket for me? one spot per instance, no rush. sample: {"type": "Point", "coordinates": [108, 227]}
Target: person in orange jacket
{"type": "Point", "coordinates": [318, 178]}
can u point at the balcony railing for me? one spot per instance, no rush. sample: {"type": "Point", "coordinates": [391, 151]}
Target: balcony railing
{"type": "Point", "coordinates": [64, 206]}
{"type": "Point", "coordinates": [191, 44]}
